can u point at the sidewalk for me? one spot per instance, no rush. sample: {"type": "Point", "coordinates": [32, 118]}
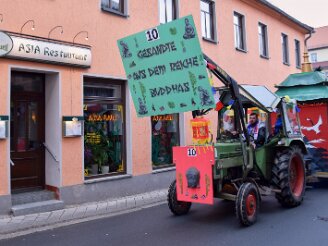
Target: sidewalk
{"type": "Point", "coordinates": [78, 213]}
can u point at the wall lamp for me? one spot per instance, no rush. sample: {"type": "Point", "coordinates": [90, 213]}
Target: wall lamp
{"type": "Point", "coordinates": [61, 32]}
{"type": "Point", "coordinates": [86, 38]}
{"type": "Point", "coordinates": [4, 126]}
{"type": "Point", "coordinates": [33, 25]}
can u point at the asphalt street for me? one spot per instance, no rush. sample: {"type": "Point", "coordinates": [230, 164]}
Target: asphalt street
{"type": "Point", "coordinates": [205, 225]}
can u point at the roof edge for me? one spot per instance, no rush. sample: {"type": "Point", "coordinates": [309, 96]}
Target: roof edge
{"type": "Point", "coordinates": [291, 18]}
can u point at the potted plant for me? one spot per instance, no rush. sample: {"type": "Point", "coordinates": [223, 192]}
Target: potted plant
{"type": "Point", "coordinates": [100, 157]}
{"type": "Point", "coordinates": [102, 149]}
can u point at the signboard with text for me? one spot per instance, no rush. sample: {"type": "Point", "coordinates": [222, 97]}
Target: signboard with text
{"type": "Point", "coordinates": [25, 48]}
{"type": "Point", "coordinates": [166, 70]}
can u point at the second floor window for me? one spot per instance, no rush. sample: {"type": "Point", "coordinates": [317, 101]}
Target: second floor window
{"type": "Point", "coordinates": [314, 57]}
{"type": "Point", "coordinates": [297, 53]}
{"type": "Point", "coordinates": [207, 19]}
{"type": "Point", "coordinates": [285, 52]}
{"type": "Point", "coordinates": [115, 5]}
{"type": "Point", "coordinates": [167, 10]}
{"type": "Point", "coordinates": [263, 40]}
{"type": "Point", "coordinates": [239, 26]}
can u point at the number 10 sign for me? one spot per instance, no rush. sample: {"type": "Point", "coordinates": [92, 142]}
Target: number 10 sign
{"type": "Point", "coordinates": [152, 34]}
{"type": "Point", "coordinates": [166, 69]}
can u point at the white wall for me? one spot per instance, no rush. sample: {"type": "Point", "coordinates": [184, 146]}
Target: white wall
{"type": "Point", "coordinates": [322, 54]}
{"type": "Point", "coordinates": [53, 134]}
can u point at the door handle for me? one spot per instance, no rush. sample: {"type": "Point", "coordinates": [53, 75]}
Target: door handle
{"type": "Point", "coordinates": [12, 163]}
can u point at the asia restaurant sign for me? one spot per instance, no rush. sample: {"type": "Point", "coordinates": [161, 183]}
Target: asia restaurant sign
{"type": "Point", "coordinates": [24, 48]}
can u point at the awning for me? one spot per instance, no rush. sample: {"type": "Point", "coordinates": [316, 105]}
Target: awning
{"type": "Point", "coordinates": [304, 93]}
{"type": "Point", "coordinates": [310, 78]}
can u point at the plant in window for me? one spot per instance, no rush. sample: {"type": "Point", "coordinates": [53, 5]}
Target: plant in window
{"type": "Point", "coordinates": [87, 157]}
{"type": "Point", "coordinates": [100, 155]}
{"type": "Point", "coordinates": [96, 148]}
{"type": "Point", "coordinates": [104, 153]}
{"type": "Point", "coordinates": [113, 161]}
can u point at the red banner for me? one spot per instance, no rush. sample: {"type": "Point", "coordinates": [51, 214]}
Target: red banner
{"type": "Point", "coordinates": [194, 173]}
{"type": "Point", "coordinates": [314, 120]}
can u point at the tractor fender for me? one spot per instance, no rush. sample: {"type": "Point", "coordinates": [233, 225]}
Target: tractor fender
{"type": "Point", "coordinates": [286, 142]}
{"type": "Point", "coordinates": [300, 144]}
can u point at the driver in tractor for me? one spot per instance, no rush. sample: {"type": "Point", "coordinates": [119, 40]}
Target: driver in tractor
{"type": "Point", "coordinates": [256, 131]}
{"type": "Point", "coordinates": [229, 124]}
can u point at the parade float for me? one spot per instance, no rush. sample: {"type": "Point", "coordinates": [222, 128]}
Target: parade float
{"type": "Point", "coordinates": [311, 92]}
{"type": "Point", "coordinates": [168, 73]}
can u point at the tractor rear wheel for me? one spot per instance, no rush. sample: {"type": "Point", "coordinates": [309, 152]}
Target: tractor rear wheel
{"type": "Point", "coordinates": [176, 207]}
{"type": "Point", "coordinates": [247, 204]}
{"type": "Point", "coordinates": [288, 175]}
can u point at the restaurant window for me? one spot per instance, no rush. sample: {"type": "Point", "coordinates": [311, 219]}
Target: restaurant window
{"type": "Point", "coordinates": [285, 51]}
{"type": "Point", "coordinates": [115, 6]}
{"type": "Point", "coordinates": [239, 29]}
{"type": "Point", "coordinates": [207, 19]}
{"type": "Point", "coordinates": [165, 135]}
{"type": "Point", "coordinates": [104, 135]}
{"type": "Point", "coordinates": [263, 40]}
{"type": "Point", "coordinates": [297, 53]}
{"type": "Point", "coordinates": [167, 10]}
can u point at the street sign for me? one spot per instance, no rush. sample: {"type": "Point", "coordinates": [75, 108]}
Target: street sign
{"type": "Point", "coordinates": [165, 69]}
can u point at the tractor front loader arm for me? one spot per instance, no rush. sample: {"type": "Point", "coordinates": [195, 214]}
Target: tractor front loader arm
{"type": "Point", "coordinates": [232, 84]}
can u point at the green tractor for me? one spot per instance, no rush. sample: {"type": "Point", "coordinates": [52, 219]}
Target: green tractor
{"type": "Point", "coordinates": [242, 168]}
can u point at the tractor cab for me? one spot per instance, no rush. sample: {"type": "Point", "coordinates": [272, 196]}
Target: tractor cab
{"type": "Point", "coordinates": [255, 100]}
{"type": "Point", "coordinates": [276, 120]}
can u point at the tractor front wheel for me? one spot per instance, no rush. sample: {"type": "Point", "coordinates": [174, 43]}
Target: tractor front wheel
{"type": "Point", "coordinates": [176, 207]}
{"type": "Point", "coordinates": [247, 204]}
{"type": "Point", "coordinates": [288, 175]}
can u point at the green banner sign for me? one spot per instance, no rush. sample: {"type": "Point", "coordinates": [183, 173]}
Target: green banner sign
{"type": "Point", "coordinates": [166, 70]}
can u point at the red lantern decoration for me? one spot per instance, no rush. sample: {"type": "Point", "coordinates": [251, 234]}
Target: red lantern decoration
{"type": "Point", "coordinates": [200, 130]}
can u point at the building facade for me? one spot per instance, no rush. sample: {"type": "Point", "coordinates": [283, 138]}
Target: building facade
{"type": "Point", "coordinates": [65, 67]}
{"type": "Point", "coordinates": [318, 49]}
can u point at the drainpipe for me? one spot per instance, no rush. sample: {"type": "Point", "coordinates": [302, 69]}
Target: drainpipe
{"type": "Point", "coordinates": [306, 65]}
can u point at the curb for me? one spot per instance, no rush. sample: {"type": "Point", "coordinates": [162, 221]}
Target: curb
{"type": "Point", "coordinates": [21, 225]}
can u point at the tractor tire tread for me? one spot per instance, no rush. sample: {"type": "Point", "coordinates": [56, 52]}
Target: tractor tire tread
{"type": "Point", "coordinates": [240, 205]}
{"type": "Point", "coordinates": [176, 207]}
{"type": "Point", "coordinates": [280, 177]}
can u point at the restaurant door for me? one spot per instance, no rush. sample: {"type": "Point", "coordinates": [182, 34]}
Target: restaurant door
{"type": "Point", "coordinates": [27, 131]}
